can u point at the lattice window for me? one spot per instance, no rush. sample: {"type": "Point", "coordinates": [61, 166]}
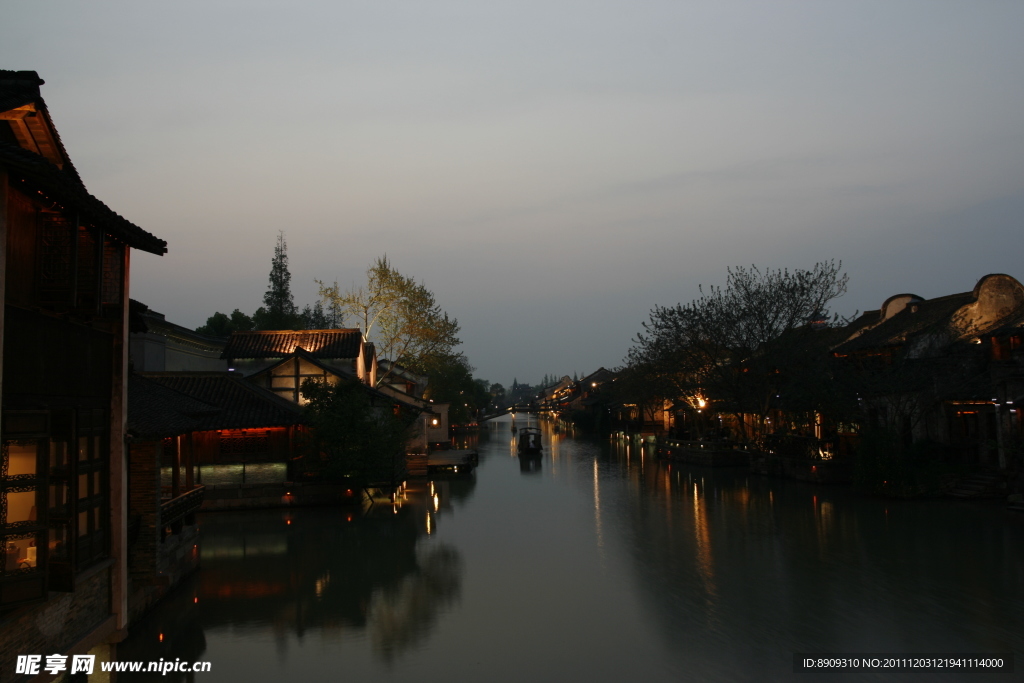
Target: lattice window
{"type": "Point", "coordinates": [86, 269]}
{"type": "Point", "coordinates": [22, 525]}
{"type": "Point", "coordinates": [244, 445]}
{"type": "Point", "coordinates": [90, 489]}
{"type": "Point", "coordinates": [112, 277]}
{"type": "Point", "coordinates": [55, 260]}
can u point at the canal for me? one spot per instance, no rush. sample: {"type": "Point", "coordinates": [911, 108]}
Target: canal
{"type": "Point", "coordinates": [597, 563]}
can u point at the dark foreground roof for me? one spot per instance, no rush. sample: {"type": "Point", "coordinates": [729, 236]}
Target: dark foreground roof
{"type": "Point", "coordinates": [239, 404]}
{"type": "Point", "coordinates": [156, 411]}
{"type": "Point", "coordinates": [36, 175]}
{"type": "Point", "coordinates": [280, 343]}
{"type": "Point", "coordinates": [33, 174]}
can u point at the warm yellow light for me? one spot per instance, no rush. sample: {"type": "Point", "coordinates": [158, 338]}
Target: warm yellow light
{"type": "Point", "coordinates": [701, 402]}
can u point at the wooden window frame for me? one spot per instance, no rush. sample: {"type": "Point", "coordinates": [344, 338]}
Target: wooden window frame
{"type": "Point", "coordinates": [24, 584]}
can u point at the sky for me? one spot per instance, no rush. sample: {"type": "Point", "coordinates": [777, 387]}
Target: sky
{"type": "Point", "coordinates": [550, 170]}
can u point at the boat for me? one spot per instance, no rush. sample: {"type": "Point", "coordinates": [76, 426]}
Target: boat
{"type": "Point", "coordinates": [529, 440]}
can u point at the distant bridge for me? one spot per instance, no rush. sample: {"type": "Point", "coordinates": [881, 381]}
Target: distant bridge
{"type": "Point", "coordinates": [532, 408]}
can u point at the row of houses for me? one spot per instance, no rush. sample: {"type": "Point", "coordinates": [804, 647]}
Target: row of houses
{"type": "Point", "coordinates": [117, 425]}
{"type": "Point", "coordinates": [947, 372]}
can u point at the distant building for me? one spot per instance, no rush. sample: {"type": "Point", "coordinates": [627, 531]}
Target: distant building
{"type": "Point", "coordinates": [158, 345]}
{"type": "Point", "coordinates": [343, 351]}
{"type": "Point", "coordinates": [948, 370]}
{"type": "Point", "coordinates": [281, 360]}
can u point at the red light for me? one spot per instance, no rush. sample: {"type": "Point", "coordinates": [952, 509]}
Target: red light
{"type": "Point", "coordinates": [289, 521]}
{"type": "Point", "coordinates": [195, 601]}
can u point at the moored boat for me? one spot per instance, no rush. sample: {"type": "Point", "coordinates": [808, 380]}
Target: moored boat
{"type": "Point", "coordinates": [529, 440]}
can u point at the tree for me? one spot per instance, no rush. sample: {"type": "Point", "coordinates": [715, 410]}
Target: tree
{"type": "Point", "coordinates": [351, 437]}
{"type": "Point", "coordinates": [399, 315]}
{"type": "Point", "coordinates": [748, 346]}
{"type": "Point", "coordinates": [221, 325]}
{"type": "Point", "coordinates": [278, 311]}
{"type": "Point", "coordinates": [450, 380]}
{"type": "Point", "coordinates": [315, 317]}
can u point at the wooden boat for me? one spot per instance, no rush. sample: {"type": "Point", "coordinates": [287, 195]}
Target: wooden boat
{"type": "Point", "coordinates": [529, 440]}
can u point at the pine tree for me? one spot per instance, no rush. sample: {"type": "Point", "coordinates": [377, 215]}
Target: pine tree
{"type": "Point", "coordinates": [278, 311]}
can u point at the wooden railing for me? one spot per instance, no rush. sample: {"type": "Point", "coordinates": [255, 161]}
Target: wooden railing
{"type": "Point", "coordinates": [173, 511]}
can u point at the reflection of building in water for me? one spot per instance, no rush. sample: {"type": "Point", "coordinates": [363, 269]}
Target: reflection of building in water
{"type": "Point", "coordinates": [731, 564]}
{"type": "Point", "coordinates": [328, 571]}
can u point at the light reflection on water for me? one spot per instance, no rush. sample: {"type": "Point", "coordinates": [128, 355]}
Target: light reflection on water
{"type": "Point", "coordinates": [600, 563]}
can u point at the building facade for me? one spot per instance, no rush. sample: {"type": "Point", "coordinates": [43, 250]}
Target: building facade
{"type": "Point", "coordinates": [63, 482]}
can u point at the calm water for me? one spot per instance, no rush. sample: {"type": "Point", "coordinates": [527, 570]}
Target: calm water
{"type": "Point", "coordinates": [600, 564]}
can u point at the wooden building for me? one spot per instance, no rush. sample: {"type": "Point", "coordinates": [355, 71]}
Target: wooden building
{"type": "Point", "coordinates": [344, 351]}
{"type": "Point", "coordinates": [240, 433]}
{"type": "Point", "coordinates": [63, 522]}
{"type": "Point", "coordinates": [945, 370]}
{"type": "Point", "coordinates": [281, 360]}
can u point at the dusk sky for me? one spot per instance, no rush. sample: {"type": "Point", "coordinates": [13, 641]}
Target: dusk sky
{"type": "Point", "coordinates": [551, 170]}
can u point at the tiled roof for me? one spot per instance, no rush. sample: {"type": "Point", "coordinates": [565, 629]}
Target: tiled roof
{"type": "Point", "coordinates": [64, 186]}
{"type": "Point", "coordinates": [1011, 325]}
{"type": "Point", "coordinates": [18, 88]}
{"type": "Point", "coordinates": [921, 316]}
{"type": "Point", "coordinates": [241, 404]}
{"type": "Point", "coordinates": [157, 411]}
{"type": "Point", "coordinates": [280, 343]}
{"type": "Point", "coordinates": [600, 375]}
{"type": "Point", "coordinates": [36, 174]}
{"type": "Point", "coordinates": [155, 323]}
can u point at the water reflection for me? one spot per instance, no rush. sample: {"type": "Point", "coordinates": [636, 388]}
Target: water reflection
{"type": "Point", "coordinates": [335, 572]}
{"type": "Point", "coordinates": [765, 567]}
{"type": "Point", "coordinates": [603, 563]}
{"type": "Point", "coordinates": [530, 463]}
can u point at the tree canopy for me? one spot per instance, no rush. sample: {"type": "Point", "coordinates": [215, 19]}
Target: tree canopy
{"type": "Point", "coordinates": [351, 438]}
{"type": "Point", "coordinates": [450, 380]}
{"type": "Point", "coordinates": [399, 315]}
{"type": "Point", "coordinates": [745, 345]}
{"type": "Point", "coordinates": [221, 325]}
